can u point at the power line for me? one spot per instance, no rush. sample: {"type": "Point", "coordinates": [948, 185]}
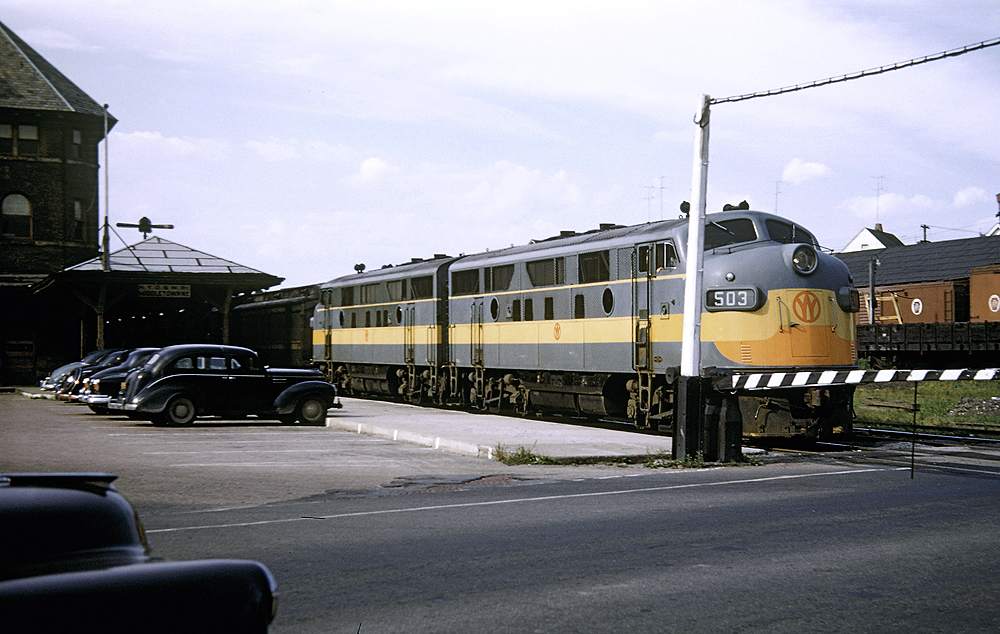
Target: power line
{"type": "Point", "coordinates": [864, 73]}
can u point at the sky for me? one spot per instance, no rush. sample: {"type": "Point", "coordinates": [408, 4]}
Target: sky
{"type": "Point", "coordinates": [303, 137]}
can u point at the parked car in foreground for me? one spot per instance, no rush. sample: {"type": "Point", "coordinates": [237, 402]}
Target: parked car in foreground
{"type": "Point", "coordinates": [180, 383]}
{"type": "Point", "coordinates": [75, 559]}
{"type": "Point", "coordinates": [101, 386]}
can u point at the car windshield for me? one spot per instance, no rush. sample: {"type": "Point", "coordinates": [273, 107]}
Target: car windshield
{"type": "Point", "coordinates": [788, 233]}
{"type": "Point", "coordinates": [725, 232]}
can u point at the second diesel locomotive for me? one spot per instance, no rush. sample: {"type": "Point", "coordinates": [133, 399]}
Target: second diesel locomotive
{"type": "Point", "coordinates": [590, 324]}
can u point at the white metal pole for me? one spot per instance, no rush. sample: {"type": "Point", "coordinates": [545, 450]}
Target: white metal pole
{"type": "Point", "coordinates": [691, 333]}
{"type": "Point", "coordinates": [106, 239]}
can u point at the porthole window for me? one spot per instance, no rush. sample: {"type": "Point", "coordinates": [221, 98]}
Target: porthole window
{"type": "Point", "coordinates": [494, 309]}
{"type": "Point", "coordinates": [608, 301]}
{"type": "Point", "coordinates": [341, 319]}
{"type": "Point", "coordinates": [399, 314]}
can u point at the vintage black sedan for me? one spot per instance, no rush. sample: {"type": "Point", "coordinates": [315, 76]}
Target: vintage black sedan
{"type": "Point", "coordinates": [180, 383]}
{"type": "Point", "coordinates": [101, 386]}
{"type": "Point", "coordinates": [74, 558]}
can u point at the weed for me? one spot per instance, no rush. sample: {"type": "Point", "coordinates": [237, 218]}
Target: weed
{"type": "Point", "coordinates": [520, 456]}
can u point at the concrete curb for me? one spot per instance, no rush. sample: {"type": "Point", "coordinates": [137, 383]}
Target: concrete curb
{"type": "Point", "coordinates": [402, 435]}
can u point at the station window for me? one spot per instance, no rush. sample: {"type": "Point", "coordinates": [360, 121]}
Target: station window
{"type": "Point", "coordinates": [16, 215]}
{"type": "Point", "coordinates": [27, 139]}
{"type": "Point", "coordinates": [77, 142]}
{"type": "Point", "coordinates": [6, 138]}
{"type": "Point", "coordinates": [79, 221]}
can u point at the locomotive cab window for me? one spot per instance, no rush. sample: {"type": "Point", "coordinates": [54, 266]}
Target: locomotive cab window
{"type": "Point", "coordinates": [787, 233]}
{"type": "Point", "coordinates": [735, 231]}
{"type": "Point", "coordinates": [347, 296]}
{"type": "Point", "coordinates": [663, 256]}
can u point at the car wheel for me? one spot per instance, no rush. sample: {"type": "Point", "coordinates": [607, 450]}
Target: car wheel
{"type": "Point", "coordinates": [181, 411]}
{"type": "Point", "coordinates": [98, 409]}
{"type": "Point", "coordinates": [311, 410]}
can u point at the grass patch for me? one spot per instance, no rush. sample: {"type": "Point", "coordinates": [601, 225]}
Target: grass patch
{"type": "Point", "coordinates": [522, 455]}
{"type": "Point", "coordinates": [945, 404]}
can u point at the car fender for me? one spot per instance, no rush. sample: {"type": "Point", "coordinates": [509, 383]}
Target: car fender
{"type": "Point", "coordinates": [287, 400]}
{"type": "Point", "coordinates": [153, 399]}
{"type": "Point", "coordinates": [216, 596]}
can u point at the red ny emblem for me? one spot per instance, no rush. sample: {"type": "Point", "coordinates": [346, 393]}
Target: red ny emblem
{"type": "Point", "coordinates": [806, 307]}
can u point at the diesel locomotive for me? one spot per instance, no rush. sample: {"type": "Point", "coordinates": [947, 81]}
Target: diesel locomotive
{"type": "Point", "coordinates": [590, 324]}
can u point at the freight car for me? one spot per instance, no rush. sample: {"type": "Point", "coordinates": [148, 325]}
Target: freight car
{"type": "Point", "coordinates": [590, 323]}
{"type": "Point", "coordinates": [937, 304]}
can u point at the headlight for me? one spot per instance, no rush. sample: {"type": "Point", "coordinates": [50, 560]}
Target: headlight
{"type": "Point", "coordinates": [96, 383]}
{"type": "Point", "coordinates": [804, 259]}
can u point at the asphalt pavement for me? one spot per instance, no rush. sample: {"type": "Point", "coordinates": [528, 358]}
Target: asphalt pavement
{"type": "Point", "coordinates": [484, 434]}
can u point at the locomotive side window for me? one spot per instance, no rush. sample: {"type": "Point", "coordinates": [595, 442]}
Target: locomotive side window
{"type": "Point", "coordinates": [354, 320]}
{"type": "Point", "coordinates": [550, 308]}
{"type": "Point", "coordinates": [465, 282]}
{"type": "Point", "coordinates": [595, 267]}
{"type": "Point", "coordinates": [787, 233]}
{"type": "Point", "coordinates": [720, 234]}
{"type": "Point", "coordinates": [397, 290]}
{"type": "Point", "coordinates": [498, 277]}
{"type": "Point", "coordinates": [515, 310]}
{"type": "Point", "coordinates": [422, 287]}
{"type": "Point", "coordinates": [369, 293]}
{"type": "Point", "coordinates": [347, 296]}
{"type": "Point", "coordinates": [529, 310]}
{"type": "Point", "coordinates": [579, 308]}
{"type": "Point", "coordinates": [548, 272]}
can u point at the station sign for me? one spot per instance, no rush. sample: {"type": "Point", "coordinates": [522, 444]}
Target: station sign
{"type": "Point", "coordinates": [165, 290]}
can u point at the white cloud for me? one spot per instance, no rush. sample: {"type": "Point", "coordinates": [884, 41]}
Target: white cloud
{"type": "Point", "coordinates": [371, 170]}
{"type": "Point", "coordinates": [51, 38]}
{"type": "Point", "coordinates": [798, 171]}
{"type": "Point", "coordinates": [276, 150]}
{"type": "Point", "coordinates": [969, 196]}
{"type": "Point", "coordinates": [153, 144]}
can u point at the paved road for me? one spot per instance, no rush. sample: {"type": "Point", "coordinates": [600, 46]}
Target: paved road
{"type": "Point", "coordinates": [807, 544]}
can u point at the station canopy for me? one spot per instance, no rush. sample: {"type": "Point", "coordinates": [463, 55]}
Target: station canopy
{"type": "Point", "coordinates": [180, 294]}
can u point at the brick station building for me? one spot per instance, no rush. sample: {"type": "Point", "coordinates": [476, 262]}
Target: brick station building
{"type": "Point", "coordinates": [58, 300]}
